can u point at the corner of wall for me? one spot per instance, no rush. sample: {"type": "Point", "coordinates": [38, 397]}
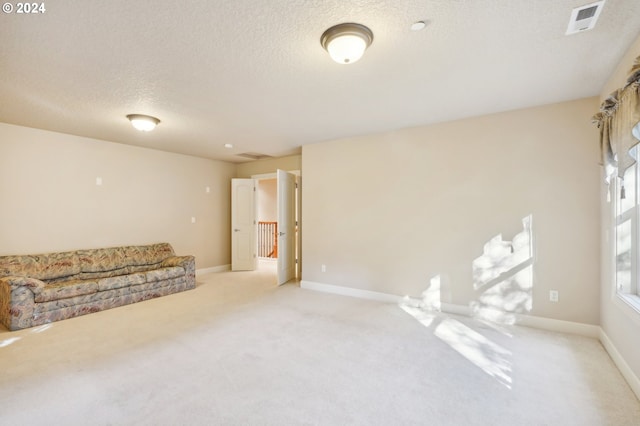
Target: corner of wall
{"type": "Point", "coordinates": [618, 331]}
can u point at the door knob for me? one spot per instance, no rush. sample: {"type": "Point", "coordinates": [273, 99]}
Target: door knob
{"type": "Point", "coordinates": [236, 230]}
{"type": "Point", "coordinates": [281, 233]}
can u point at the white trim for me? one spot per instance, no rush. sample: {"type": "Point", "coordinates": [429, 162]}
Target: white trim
{"type": "Point", "coordinates": [261, 176]}
{"type": "Point", "coordinates": [456, 309]}
{"type": "Point", "coordinates": [541, 323]}
{"type": "Point", "coordinates": [629, 304]}
{"type": "Point", "coordinates": [561, 326]}
{"type": "Point", "coordinates": [523, 320]}
{"type": "Point", "coordinates": [619, 361]}
{"type": "Point", "coordinates": [273, 175]}
{"type": "Point", "coordinates": [351, 292]}
{"type": "Point", "coordinates": [219, 268]}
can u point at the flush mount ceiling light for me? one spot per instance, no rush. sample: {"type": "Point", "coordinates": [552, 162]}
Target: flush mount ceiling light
{"type": "Point", "coordinates": [347, 42]}
{"type": "Point", "coordinates": [144, 123]}
{"type": "Point", "coordinates": [418, 26]}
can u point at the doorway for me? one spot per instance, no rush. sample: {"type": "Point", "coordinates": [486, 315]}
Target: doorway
{"type": "Point", "coordinates": [267, 217]}
{"type": "Point", "coordinates": [274, 229]}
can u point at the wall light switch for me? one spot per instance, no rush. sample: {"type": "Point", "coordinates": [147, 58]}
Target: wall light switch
{"type": "Point", "coordinates": [324, 268]}
{"type": "Point", "coordinates": [207, 190]}
{"type": "Point", "coordinates": [98, 181]}
{"type": "Point", "coordinates": [193, 220]}
{"type": "Point", "coordinates": [553, 295]}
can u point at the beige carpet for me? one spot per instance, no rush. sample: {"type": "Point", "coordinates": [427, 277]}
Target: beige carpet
{"type": "Point", "coordinates": [239, 351]}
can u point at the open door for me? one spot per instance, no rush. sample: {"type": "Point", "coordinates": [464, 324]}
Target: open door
{"type": "Point", "coordinates": [286, 227]}
{"type": "Point", "coordinates": [243, 225]}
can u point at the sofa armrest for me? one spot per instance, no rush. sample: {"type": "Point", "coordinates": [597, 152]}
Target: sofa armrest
{"type": "Point", "coordinates": [189, 265]}
{"type": "Point", "coordinates": [33, 284]}
{"type": "Point", "coordinates": [17, 301]}
{"type": "Point", "coordinates": [176, 261]}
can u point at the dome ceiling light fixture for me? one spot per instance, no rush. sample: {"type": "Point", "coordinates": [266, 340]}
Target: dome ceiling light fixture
{"type": "Point", "coordinates": [418, 26]}
{"type": "Point", "coordinates": [346, 42]}
{"type": "Point", "coordinates": [144, 123]}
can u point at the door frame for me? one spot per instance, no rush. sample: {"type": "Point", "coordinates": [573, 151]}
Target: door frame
{"type": "Point", "coordinates": [298, 215]}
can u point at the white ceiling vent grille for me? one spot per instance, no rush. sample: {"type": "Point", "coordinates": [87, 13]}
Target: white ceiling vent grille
{"type": "Point", "coordinates": [253, 155]}
{"type": "Point", "coordinates": [584, 18]}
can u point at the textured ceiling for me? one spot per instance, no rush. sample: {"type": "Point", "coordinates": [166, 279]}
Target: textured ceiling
{"type": "Point", "coordinates": [253, 73]}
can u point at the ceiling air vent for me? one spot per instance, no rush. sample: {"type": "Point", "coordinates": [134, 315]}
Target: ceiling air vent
{"type": "Point", "coordinates": [584, 18]}
{"type": "Point", "coordinates": [253, 155]}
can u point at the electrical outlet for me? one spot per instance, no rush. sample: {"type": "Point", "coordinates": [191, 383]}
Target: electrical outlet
{"type": "Point", "coordinates": [324, 268]}
{"type": "Point", "coordinates": [553, 295]}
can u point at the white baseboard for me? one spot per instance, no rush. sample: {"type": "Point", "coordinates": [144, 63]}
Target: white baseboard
{"type": "Point", "coordinates": [219, 268]}
{"type": "Point", "coordinates": [619, 361]}
{"type": "Point", "coordinates": [569, 327]}
{"type": "Point", "coordinates": [456, 309]}
{"type": "Point", "coordinates": [524, 320]}
{"type": "Point", "coordinates": [351, 292]}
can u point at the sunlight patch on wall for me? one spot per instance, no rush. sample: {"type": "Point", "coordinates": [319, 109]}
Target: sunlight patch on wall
{"type": "Point", "coordinates": [429, 299]}
{"type": "Point", "coordinates": [425, 308]}
{"type": "Point", "coordinates": [504, 275]}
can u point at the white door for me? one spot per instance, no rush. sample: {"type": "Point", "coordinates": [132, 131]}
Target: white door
{"type": "Point", "coordinates": [286, 227]}
{"type": "Point", "coordinates": [243, 225]}
{"type": "Point", "coordinates": [298, 226]}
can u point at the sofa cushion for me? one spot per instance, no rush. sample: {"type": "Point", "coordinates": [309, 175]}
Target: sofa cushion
{"type": "Point", "coordinates": [104, 274]}
{"type": "Point", "coordinates": [148, 286]}
{"type": "Point", "coordinates": [80, 300]}
{"type": "Point", "coordinates": [101, 260]}
{"type": "Point", "coordinates": [142, 268]}
{"type": "Point", "coordinates": [121, 281]}
{"type": "Point", "coordinates": [41, 266]}
{"type": "Point", "coordinates": [63, 290]}
{"type": "Point", "coordinates": [122, 259]}
{"type": "Point", "coordinates": [147, 255]}
{"type": "Point", "coordinates": [165, 273]}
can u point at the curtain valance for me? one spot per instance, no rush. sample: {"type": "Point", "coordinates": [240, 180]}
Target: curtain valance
{"type": "Point", "coordinates": [619, 124]}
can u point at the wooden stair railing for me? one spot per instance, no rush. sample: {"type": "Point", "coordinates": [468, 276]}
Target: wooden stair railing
{"type": "Point", "coordinates": [268, 239]}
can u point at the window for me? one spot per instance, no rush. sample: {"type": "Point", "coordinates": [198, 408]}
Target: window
{"type": "Point", "coordinates": [627, 235]}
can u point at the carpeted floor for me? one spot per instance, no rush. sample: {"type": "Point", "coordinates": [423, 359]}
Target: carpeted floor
{"type": "Point", "coordinates": [239, 351]}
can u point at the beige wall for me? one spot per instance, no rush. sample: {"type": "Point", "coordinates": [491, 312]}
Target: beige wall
{"type": "Point", "coordinates": [267, 210]}
{"type": "Point", "coordinates": [50, 200]}
{"type": "Point", "coordinates": [388, 212]}
{"type": "Point", "coordinates": [269, 165]}
{"type": "Point", "coordinates": [619, 321]}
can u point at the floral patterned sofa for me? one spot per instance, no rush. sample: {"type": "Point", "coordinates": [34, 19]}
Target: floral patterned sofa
{"type": "Point", "coordinates": [39, 289]}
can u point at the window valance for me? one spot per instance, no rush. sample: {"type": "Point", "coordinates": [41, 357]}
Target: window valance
{"type": "Point", "coordinates": [619, 124]}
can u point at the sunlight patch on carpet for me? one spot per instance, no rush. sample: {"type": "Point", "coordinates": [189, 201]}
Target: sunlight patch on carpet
{"type": "Point", "coordinates": [492, 358]}
{"type": "Point", "coordinates": [41, 328]}
{"type": "Point", "coordinates": [7, 342]}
